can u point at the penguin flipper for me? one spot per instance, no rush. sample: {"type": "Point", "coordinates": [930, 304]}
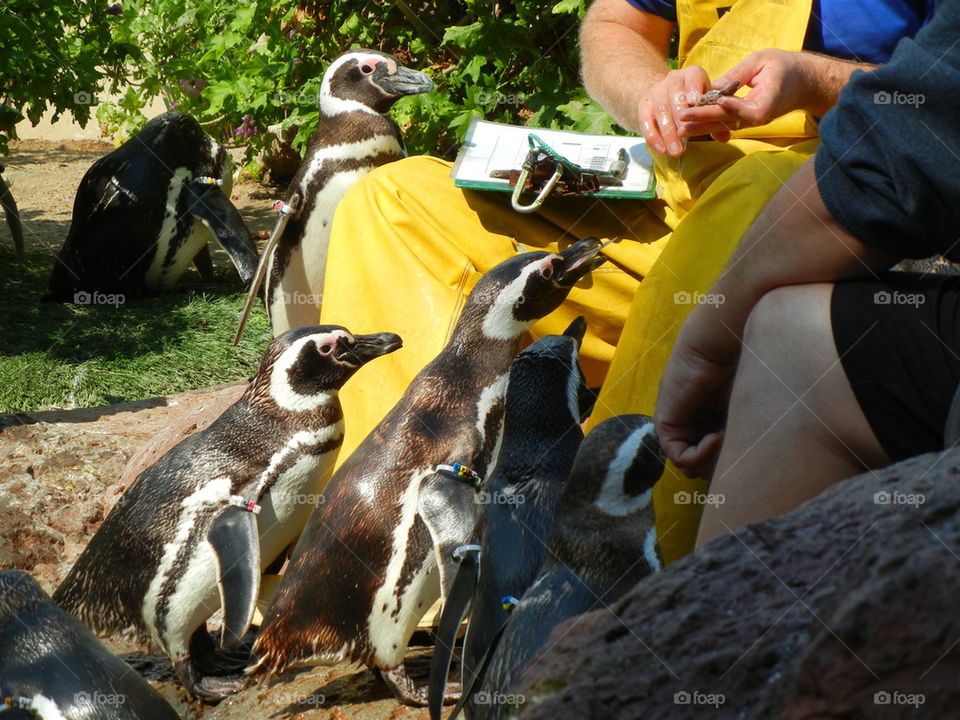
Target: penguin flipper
{"type": "Point", "coordinates": [448, 510]}
{"type": "Point", "coordinates": [460, 597]}
{"type": "Point", "coordinates": [215, 209]}
{"type": "Point", "coordinates": [236, 544]}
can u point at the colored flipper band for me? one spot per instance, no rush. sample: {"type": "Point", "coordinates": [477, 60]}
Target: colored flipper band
{"type": "Point", "coordinates": [204, 180]}
{"type": "Point", "coordinates": [282, 207]}
{"type": "Point", "coordinates": [459, 471]}
{"type": "Point", "coordinates": [508, 602]}
{"type": "Point", "coordinates": [17, 703]}
{"type": "Point", "coordinates": [243, 504]}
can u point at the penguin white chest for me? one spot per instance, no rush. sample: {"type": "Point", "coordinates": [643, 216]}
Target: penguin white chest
{"type": "Point", "coordinates": [166, 267]}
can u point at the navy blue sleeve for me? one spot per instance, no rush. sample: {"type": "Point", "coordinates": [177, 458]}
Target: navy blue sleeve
{"type": "Point", "coordinates": [663, 8]}
{"type": "Point", "coordinates": [888, 167]}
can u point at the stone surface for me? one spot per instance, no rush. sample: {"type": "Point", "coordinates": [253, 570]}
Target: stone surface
{"type": "Point", "coordinates": [844, 608]}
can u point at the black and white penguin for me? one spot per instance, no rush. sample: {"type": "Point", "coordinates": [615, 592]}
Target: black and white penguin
{"type": "Point", "coordinates": [147, 210]}
{"type": "Point", "coordinates": [53, 667]}
{"type": "Point", "coordinates": [12, 214]}
{"type": "Point", "coordinates": [518, 500]}
{"type": "Point", "coordinates": [366, 567]}
{"type": "Point", "coordinates": [602, 543]}
{"type": "Point", "coordinates": [196, 529]}
{"type": "Point", "coordinates": [355, 134]}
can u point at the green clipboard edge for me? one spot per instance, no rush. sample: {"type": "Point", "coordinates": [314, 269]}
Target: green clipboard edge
{"type": "Point", "coordinates": [504, 186]}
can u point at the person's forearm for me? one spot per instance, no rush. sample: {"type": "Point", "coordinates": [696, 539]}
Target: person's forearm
{"type": "Point", "coordinates": [623, 53]}
{"type": "Point", "coordinates": [793, 241]}
{"type": "Point", "coordinates": [826, 77]}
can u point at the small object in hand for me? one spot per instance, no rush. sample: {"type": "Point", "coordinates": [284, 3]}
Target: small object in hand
{"type": "Point", "coordinates": [713, 96]}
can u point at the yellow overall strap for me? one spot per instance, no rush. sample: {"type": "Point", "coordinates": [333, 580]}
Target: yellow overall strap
{"type": "Point", "coordinates": [718, 35]}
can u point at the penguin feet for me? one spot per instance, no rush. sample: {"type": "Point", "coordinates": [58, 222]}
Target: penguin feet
{"type": "Point", "coordinates": [208, 689]}
{"type": "Point", "coordinates": [409, 694]}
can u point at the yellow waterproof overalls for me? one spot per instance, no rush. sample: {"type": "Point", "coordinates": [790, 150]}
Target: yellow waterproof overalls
{"type": "Point", "coordinates": [407, 246]}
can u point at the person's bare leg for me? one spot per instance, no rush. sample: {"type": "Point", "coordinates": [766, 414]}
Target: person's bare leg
{"type": "Point", "coordinates": [794, 426]}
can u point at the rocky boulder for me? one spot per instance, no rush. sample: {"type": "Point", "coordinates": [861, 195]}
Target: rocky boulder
{"type": "Point", "coordinates": [844, 608]}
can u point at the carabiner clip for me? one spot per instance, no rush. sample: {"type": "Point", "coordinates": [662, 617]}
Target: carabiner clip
{"type": "Point", "coordinates": [547, 189]}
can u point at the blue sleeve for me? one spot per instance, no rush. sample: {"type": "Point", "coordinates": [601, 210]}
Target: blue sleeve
{"type": "Point", "coordinates": [887, 164]}
{"type": "Point", "coordinates": [662, 8]}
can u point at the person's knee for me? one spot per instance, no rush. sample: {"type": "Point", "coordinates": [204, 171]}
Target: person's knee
{"type": "Point", "coordinates": [789, 315]}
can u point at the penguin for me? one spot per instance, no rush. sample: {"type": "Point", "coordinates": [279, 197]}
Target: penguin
{"type": "Point", "coordinates": [12, 214]}
{"type": "Point", "coordinates": [602, 543]}
{"type": "Point", "coordinates": [53, 667]}
{"type": "Point", "coordinates": [541, 434]}
{"type": "Point", "coordinates": [355, 134]}
{"type": "Point", "coordinates": [196, 529]}
{"type": "Point", "coordinates": [145, 211]}
{"type": "Point", "coordinates": [375, 557]}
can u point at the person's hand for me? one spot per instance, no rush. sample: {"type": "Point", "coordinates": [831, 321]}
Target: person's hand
{"type": "Point", "coordinates": [694, 391]}
{"type": "Point", "coordinates": [661, 104]}
{"type": "Point", "coordinates": [780, 81]}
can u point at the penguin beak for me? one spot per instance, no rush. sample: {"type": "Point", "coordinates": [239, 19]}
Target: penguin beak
{"type": "Point", "coordinates": [578, 260]}
{"type": "Point", "coordinates": [405, 82]}
{"type": "Point", "coordinates": [214, 208]}
{"type": "Point", "coordinates": [367, 347]}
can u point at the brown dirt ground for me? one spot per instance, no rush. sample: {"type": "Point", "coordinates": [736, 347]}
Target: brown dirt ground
{"type": "Point", "coordinates": [61, 471]}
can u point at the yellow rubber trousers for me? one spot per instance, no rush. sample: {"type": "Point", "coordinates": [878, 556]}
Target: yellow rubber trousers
{"type": "Point", "coordinates": [407, 246]}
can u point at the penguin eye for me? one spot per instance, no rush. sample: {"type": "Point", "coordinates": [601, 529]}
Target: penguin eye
{"type": "Point", "coordinates": [325, 350]}
{"type": "Point", "coordinates": [367, 67]}
{"type": "Point", "coordinates": [522, 299]}
{"type": "Point", "coordinates": [547, 272]}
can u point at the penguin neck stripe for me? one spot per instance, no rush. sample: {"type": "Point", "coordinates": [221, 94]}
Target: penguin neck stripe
{"type": "Point", "coordinates": [283, 393]}
{"type": "Point", "coordinates": [330, 104]}
{"type": "Point", "coordinates": [612, 499]}
{"type": "Point", "coordinates": [499, 322]}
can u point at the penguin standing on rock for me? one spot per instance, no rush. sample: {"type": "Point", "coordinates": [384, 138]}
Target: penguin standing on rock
{"type": "Point", "coordinates": [355, 134]}
{"type": "Point", "coordinates": [196, 529]}
{"type": "Point", "coordinates": [53, 667]}
{"type": "Point", "coordinates": [602, 543]}
{"type": "Point", "coordinates": [541, 434]}
{"type": "Point", "coordinates": [147, 210]}
{"type": "Point", "coordinates": [366, 567]}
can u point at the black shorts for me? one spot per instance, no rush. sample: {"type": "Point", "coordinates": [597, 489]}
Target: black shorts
{"type": "Point", "coordinates": [898, 339]}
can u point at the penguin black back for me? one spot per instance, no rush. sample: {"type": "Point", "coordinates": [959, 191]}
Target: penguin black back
{"type": "Point", "coordinates": [518, 500]}
{"type": "Point", "coordinates": [365, 569]}
{"type": "Point", "coordinates": [145, 211]}
{"type": "Point", "coordinates": [53, 660]}
{"type": "Point", "coordinates": [602, 543]}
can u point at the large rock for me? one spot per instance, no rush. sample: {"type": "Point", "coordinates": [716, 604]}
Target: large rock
{"type": "Point", "coordinates": [845, 608]}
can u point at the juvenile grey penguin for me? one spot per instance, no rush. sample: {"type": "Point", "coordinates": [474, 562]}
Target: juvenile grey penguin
{"type": "Point", "coordinates": [196, 529]}
{"type": "Point", "coordinates": [518, 500]}
{"type": "Point", "coordinates": [602, 543]}
{"type": "Point", "coordinates": [12, 214]}
{"type": "Point", "coordinates": [53, 667]}
{"type": "Point", "coordinates": [366, 567]}
{"type": "Point", "coordinates": [355, 134]}
{"type": "Point", "coordinates": [147, 210]}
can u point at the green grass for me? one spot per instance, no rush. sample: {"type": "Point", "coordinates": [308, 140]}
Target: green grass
{"type": "Point", "coordinates": [66, 356]}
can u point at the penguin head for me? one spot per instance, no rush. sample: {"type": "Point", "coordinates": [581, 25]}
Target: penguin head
{"type": "Point", "coordinates": [546, 385]}
{"type": "Point", "coordinates": [305, 367]}
{"type": "Point", "coordinates": [525, 288]}
{"type": "Point", "coordinates": [369, 81]}
{"type": "Point", "coordinates": [617, 466]}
